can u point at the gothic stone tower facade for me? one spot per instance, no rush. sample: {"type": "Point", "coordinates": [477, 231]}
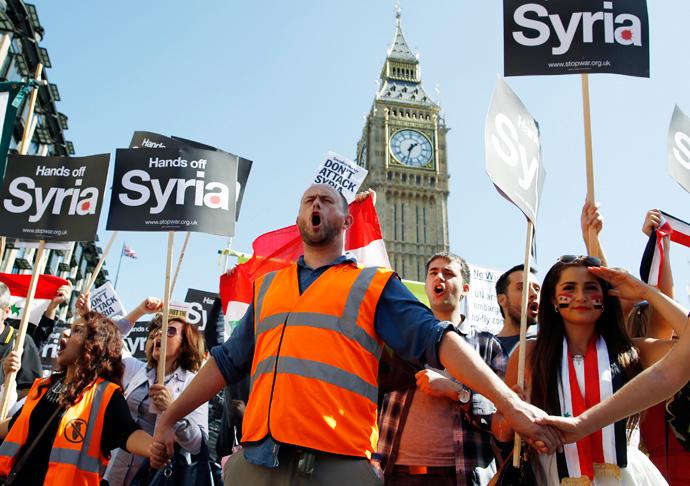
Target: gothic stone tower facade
{"type": "Point", "coordinates": [403, 146]}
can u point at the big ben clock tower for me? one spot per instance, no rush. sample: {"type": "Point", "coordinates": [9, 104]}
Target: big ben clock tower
{"type": "Point", "coordinates": [403, 146]}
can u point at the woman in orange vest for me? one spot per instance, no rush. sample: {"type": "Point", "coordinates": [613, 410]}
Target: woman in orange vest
{"type": "Point", "coordinates": [71, 421]}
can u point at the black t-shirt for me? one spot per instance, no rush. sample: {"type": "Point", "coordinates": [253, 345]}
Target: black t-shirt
{"type": "Point", "coordinates": [31, 361]}
{"type": "Point", "coordinates": [118, 425]}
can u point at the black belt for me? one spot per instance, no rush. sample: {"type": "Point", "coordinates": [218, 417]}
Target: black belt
{"type": "Point", "coordinates": [429, 471]}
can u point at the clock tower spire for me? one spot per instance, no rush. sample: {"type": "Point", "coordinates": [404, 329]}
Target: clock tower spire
{"type": "Point", "coordinates": [403, 146]}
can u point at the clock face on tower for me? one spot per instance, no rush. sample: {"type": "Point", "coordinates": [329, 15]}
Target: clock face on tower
{"type": "Point", "coordinates": [411, 148]}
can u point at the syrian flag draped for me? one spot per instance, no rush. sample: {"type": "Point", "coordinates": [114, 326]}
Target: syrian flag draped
{"type": "Point", "coordinates": [46, 290]}
{"type": "Point", "coordinates": [278, 249]}
{"type": "Point", "coordinates": [653, 257]}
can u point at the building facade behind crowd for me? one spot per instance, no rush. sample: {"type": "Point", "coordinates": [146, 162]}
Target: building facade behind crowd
{"type": "Point", "coordinates": [21, 34]}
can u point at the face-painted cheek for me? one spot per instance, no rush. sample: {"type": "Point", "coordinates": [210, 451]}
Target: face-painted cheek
{"type": "Point", "coordinates": [598, 301]}
{"type": "Point", "coordinates": [564, 300]}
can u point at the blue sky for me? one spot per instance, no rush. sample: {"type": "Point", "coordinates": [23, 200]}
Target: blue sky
{"type": "Point", "coordinates": [283, 83]}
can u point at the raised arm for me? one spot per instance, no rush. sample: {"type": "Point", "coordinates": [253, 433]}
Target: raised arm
{"type": "Point", "coordinates": [658, 327]}
{"type": "Point", "coordinates": [592, 218]}
{"type": "Point", "coordinates": [150, 305]}
{"type": "Point", "coordinates": [61, 296]}
{"type": "Point", "coordinates": [629, 287]}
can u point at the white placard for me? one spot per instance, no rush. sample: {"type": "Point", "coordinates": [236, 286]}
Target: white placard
{"type": "Point", "coordinates": [341, 173]}
{"type": "Point", "coordinates": [104, 300]}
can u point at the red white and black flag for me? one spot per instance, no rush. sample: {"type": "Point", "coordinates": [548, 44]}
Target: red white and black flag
{"type": "Point", "coordinates": [46, 290]}
{"type": "Point", "coordinates": [653, 258]}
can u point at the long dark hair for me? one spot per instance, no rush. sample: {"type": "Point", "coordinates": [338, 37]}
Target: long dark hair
{"type": "Point", "coordinates": [545, 359]}
{"type": "Point", "coordinates": [101, 357]}
{"type": "Point", "coordinates": [192, 349]}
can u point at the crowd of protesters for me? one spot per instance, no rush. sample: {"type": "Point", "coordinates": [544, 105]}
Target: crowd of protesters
{"type": "Point", "coordinates": [294, 392]}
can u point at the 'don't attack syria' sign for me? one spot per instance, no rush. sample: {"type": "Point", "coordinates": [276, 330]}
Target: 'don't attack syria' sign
{"type": "Point", "coordinates": [546, 37]}
{"type": "Point", "coordinates": [513, 150]}
{"type": "Point", "coordinates": [174, 189]}
{"type": "Point", "coordinates": [53, 198]}
{"type": "Point", "coordinates": [342, 174]}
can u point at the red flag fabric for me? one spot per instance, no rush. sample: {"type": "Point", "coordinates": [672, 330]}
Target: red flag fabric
{"type": "Point", "coordinates": [278, 249]}
{"type": "Point", "coordinates": [46, 290]}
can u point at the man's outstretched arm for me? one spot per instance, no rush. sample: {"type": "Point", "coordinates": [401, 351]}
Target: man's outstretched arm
{"type": "Point", "coordinates": [205, 385]}
{"type": "Point", "coordinates": [467, 366]}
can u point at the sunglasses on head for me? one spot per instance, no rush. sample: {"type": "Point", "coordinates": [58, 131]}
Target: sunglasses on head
{"type": "Point", "coordinates": [589, 260]}
{"type": "Point", "coordinates": [172, 332]}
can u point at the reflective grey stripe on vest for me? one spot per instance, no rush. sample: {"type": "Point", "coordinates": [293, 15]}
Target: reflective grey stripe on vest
{"type": "Point", "coordinates": [9, 449]}
{"type": "Point", "coordinates": [259, 302]}
{"type": "Point", "coordinates": [80, 458]}
{"type": "Point", "coordinates": [266, 365]}
{"type": "Point", "coordinates": [345, 325]}
{"type": "Point", "coordinates": [354, 301]}
{"type": "Point", "coordinates": [328, 374]}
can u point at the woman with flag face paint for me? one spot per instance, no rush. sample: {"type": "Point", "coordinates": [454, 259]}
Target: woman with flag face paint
{"type": "Point", "coordinates": [581, 356]}
{"type": "Point", "coordinates": [71, 421]}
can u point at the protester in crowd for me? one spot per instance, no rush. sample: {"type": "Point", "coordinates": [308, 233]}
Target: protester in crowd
{"type": "Point", "coordinates": [313, 359]}
{"type": "Point", "coordinates": [662, 445]}
{"type": "Point", "coordinates": [658, 382]}
{"type": "Point", "coordinates": [30, 368]}
{"type": "Point", "coordinates": [439, 432]}
{"type": "Point", "coordinates": [55, 439]}
{"type": "Point", "coordinates": [147, 399]}
{"type": "Point", "coordinates": [657, 327]}
{"type": "Point", "coordinates": [509, 296]}
{"type": "Point", "coordinates": [639, 315]}
{"type": "Point", "coordinates": [580, 356]}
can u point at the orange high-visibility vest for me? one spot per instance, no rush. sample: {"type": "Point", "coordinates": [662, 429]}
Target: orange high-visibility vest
{"type": "Point", "coordinates": [315, 367]}
{"type": "Point", "coordinates": [76, 457]}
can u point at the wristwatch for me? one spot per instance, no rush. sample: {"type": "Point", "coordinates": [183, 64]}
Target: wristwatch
{"type": "Point", "coordinates": [464, 395]}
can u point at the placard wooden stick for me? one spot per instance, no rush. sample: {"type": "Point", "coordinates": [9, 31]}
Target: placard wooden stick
{"type": "Point", "coordinates": [179, 262]}
{"type": "Point", "coordinates": [523, 329]}
{"type": "Point", "coordinates": [11, 377]}
{"type": "Point", "coordinates": [166, 309]}
{"type": "Point", "coordinates": [94, 275]}
{"type": "Point", "coordinates": [592, 236]}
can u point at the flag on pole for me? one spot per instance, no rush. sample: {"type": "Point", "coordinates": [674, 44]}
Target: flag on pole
{"type": "Point", "coordinates": [278, 249]}
{"type": "Point", "coordinates": [11, 96]}
{"type": "Point", "coordinates": [653, 257]}
{"type": "Point", "coordinates": [128, 252]}
{"type": "Point", "coordinates": [46, 290]}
